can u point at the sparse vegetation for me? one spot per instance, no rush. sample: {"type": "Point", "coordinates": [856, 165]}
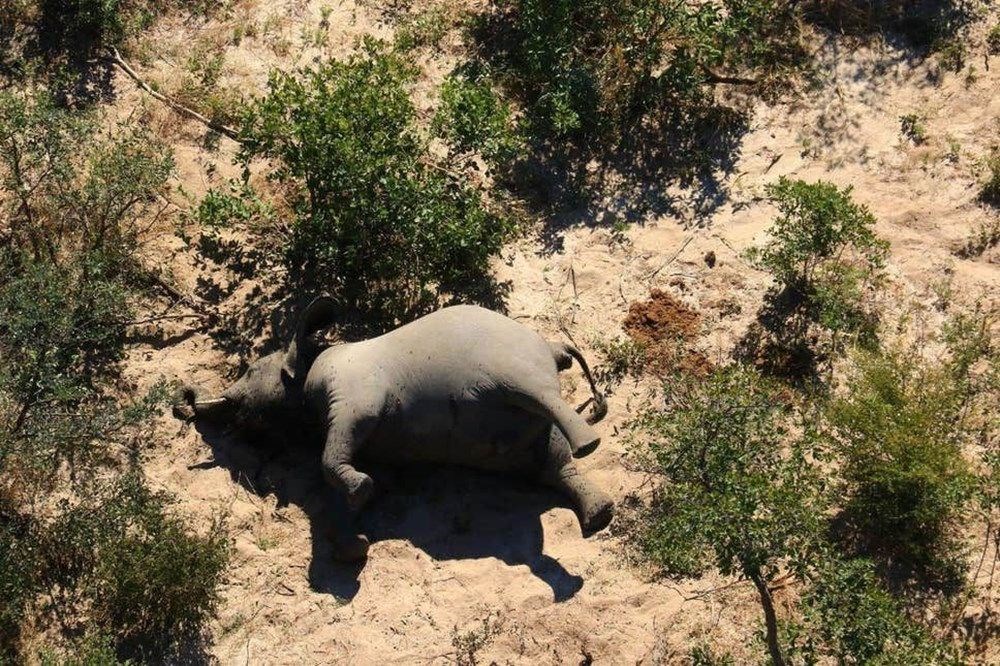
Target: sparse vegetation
{"type": "Point", "coordinates": [913, 128]}
{"type": "Point", "coordinates": [993, 40]}
{"type": "Point", "coordinates": [623, 357]}
{"type": "Point", "coordinates": [990, 192]}
{"type": "Point", "coordinates": [985, 237]}
{"type": "Point", "coordinates": [79, 529]}
{"type": "Point", "coordinates": [951, 53]}
{"type": "Point", "coordinates": [468, 644]}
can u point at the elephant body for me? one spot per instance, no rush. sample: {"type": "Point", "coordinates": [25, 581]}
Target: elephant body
{"type": "Point", "coordinates": [463, 386]}
{"type": "Point", "coordinates": [459, 386]}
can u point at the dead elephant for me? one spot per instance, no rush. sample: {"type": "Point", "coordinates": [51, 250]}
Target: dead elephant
{"type": "Point", "coordinates": [463, 386]}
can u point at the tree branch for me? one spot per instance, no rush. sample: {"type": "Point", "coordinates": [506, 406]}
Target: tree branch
{"type": "Point", "coordinates": [712, 77]}
{"type": "Point", "coordinates": [115, 58]}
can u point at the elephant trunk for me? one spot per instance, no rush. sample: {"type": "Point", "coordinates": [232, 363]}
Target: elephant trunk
{"type": "Point", "coordinates": [194, 407]}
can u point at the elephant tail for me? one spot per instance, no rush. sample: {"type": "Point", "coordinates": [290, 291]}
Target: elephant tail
{"type": "Point", "coordinates": [564, 354]}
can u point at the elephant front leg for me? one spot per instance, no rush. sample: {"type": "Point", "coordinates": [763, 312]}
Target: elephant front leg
{"type": "Point", "coordinates": [343, 441]}
{"type": "Point", "coordinates": [594, 507]}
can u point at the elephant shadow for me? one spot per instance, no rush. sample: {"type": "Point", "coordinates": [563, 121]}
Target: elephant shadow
{"type": "Point", "coordinates": [449, 513]}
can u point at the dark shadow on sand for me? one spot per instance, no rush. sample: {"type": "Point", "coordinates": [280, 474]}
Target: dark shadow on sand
{"type": "Point", "coordinates": [449, 513]}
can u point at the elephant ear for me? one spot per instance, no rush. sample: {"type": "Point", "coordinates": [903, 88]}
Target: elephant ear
{"type": "Point", "coordinates": [304, 346]}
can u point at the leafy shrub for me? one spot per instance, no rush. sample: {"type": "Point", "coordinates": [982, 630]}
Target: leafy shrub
{"type": "Point", "coordinates": [424, 28]}
{"type": "Point", "coordinates": [704, 655]}
{"type": "Point", "coordinates": [70, 192]}
{"type": "Point", "coordinates": [81, 538]}
{"type": "Point", "coordinates": [993, 40]}
{"type": "Point", "coordinates": [827, 263]}
{"type": "Point", "coordinates": [823, 251]}
{"type": "Point", "coordinates": [97, 23]}
{"type": "Point", "coordinates": [900, 428]}
{"type": "Point", "coordinates": [738, 488]}
{"type": "Point", "coordinates": [985, 236]}
{"type": "Point", "coordinates": [92, 650]}
{"type": "Point", "coordinates": [923, 24]}
{"type": "Point", "coordinates": [593, 71]}
{"type": "Point", "coordinates": [849, 616]}
{"type": "Point", "coordinates": [913, 128]}
{"type": "Point", "coordinates": [951, 53]}
{"type": "Point", "coordinates": [376, 223]}
{"type": "Point", "coordinates": [623, 357]}
{"type": "Point", "coordinates": [146, 579]}
{"type": "Point", "coordinates": [472, 118]}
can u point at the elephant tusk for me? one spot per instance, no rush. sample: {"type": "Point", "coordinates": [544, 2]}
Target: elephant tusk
{"type": "Point", "coordinates": [214, 402]}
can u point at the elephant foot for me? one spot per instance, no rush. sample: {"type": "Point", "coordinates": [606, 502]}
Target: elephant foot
{"type": "Point", "coordinates": [360, 491]}
{"type": "Point", "coordinates": [596, 516]}
{"type": "Point", "coordinates": [586, 448]}
{"type": "Point", "coordinates": [350, 548]}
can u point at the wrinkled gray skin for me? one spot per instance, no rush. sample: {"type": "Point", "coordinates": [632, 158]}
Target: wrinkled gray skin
{"type": "Point", "coordinates": [464, 386]}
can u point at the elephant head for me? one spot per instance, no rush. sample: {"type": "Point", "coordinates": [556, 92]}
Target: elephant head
{"type": "Point", "coordinates": [271, 388]}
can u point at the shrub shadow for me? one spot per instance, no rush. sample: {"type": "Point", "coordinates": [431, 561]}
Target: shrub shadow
{"type": "Point", "coordinates": [265, 320]}
{"type": "Point", "coordinates": [779, 342]}
{"type": "Point", "coordinates": [674, 169]}
{"type": "Point", "coordinates": [449, 513]}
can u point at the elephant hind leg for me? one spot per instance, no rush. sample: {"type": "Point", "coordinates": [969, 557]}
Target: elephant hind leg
{"type": "Point", "coordinates": [582, 437]}
{"type": "Point", "coordinates": [594, 509]}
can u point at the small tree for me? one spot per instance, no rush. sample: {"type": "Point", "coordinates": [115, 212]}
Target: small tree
{"type": "Point", "coordinates": [823, 250]}
{"type": "Point", "coordinates": [376, 222]}
{"type": "Point", "coordinates": [827, 263]}
{"type": "Point", "coordinates": [738, 489]}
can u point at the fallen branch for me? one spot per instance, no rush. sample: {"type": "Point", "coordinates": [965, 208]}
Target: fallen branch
{"type": "Point", "coordinates": [712, 77]}
{"type": "Point", "coordinates": [165, 317]}
{"type": "Point", "coordinates": [671, 259]}
{"type": "Point", "coordinates": [115, 57]}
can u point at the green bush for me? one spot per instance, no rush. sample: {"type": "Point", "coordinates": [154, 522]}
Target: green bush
{"type": "Point", "coordinates": [98, 23]}
{"type": "Point", "coordinates": [376, 222]}
{"type": "Point", "coordinates": [993, 40]}
{"type": "Point", "coordinates": [144, 578]}
{"type": "Point", "coordinates": [739, 490]}
{"type": "Point", "coordinates": [848, 615]}
{"type": "Point", "coordinates": [824, 252]}
{"type": "Point", "coordinates": [990, 192]}
{"type": "Point", "coordinates": [827, 264]}
{"type": "Point", "coordinates": [72, 192]}
{"type": "Point", "coordinates": [900, 428]}
{"type": "Point", "coordinates": [472, 118]}
{"type": "Point", "coordinates": [81, 537]}
{"type": "Point", "coordinates": [92, 650]}
{"type": "Point", "coordinates": [923, 24]}
{"type": "Point", "coordinates": [594, 71]}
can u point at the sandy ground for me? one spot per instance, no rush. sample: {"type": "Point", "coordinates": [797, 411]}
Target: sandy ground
{"type": "Point", "coordinates": [462, 559]}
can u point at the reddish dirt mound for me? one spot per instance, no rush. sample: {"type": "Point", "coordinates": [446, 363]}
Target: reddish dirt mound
{"type": "Point", "coordinates": [662, 317]}
{"type": "Point", "coordinates": [666, 327]}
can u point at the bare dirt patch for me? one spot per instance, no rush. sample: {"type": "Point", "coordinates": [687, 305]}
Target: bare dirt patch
{"type": "Point", "coordinates": [667, 328]}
